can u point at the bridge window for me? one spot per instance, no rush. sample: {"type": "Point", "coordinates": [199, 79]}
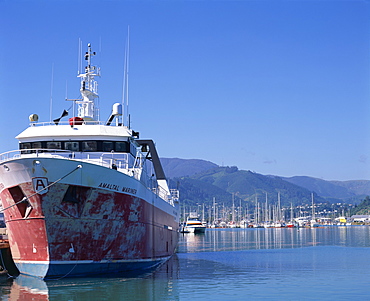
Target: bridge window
{"type": "Point", "coordinates": [24, 147]}
{"type": "Point", "coordinates": [78, 146]}
{"type": "Point", "coordinates": [122, 147]}
{"type": "Point", "coordinates": [36, 145]}
{"type": "Point", "coordinates": [54, 145]}
{"type": "Point", "coordinates": [108, 146]}
{"type": "Point", "coordinates": [72, 146]}
{"type": "Point", "coordinates": [89, 146]}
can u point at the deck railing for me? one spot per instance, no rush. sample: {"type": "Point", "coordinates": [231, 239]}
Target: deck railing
{"type": "Point", "coordinates": [122, 162]}
{"type": "Point", "coordinates": [66, 122]}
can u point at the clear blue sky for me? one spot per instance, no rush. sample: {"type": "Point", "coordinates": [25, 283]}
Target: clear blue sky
{"type": "Point", "coordinates": [276, 87]}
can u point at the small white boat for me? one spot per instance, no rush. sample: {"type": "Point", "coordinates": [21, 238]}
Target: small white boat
{"type": "Point", "coordinates": [194, 225]}
{"type": "Point", "coordinates": [244, 224]}
{"type": "Point", "coordinates": [314, 223]}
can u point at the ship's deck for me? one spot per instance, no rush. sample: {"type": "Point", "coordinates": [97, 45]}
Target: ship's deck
{"type": "Point", "coordinates": [122, 162]}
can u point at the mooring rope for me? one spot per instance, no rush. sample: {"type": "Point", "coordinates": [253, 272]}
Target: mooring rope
{"type": "Point", "coordinates": [46, 187]}
{"type": "Point", "coordinates": [65, 274]}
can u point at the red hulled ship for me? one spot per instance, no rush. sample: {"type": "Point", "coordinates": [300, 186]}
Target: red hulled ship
{"type": "Point", "coordinates": [85, 197]}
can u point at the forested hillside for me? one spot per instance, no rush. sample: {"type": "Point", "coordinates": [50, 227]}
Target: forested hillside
{"type": "Point", "coordinates": [201, 181]}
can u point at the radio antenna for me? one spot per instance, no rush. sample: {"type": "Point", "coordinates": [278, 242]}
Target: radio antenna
{"type": "Point", "coordinates": [51, 90]}
{"type": "Point", "coordinates": [79, 67]}
{"type": "Point", "coordinates": [125, 79]}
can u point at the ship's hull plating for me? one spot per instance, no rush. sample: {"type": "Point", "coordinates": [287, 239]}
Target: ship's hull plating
{"type": "Point", "coordinates": [57, 270]}
{"type": "Point", "coordinates": [94, 221]}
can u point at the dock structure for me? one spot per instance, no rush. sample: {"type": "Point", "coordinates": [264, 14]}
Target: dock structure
{"type": "Point", "coordinates": [6, 260]}
{"type": "Point", "coordinates": [4, 244]}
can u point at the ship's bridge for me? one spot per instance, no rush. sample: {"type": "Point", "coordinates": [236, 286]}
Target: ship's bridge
{"type": "Point", "coordinates": [80, 138]}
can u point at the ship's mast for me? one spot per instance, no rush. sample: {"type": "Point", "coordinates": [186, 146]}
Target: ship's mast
{"type": "Point", "coordinates": [88, 107]}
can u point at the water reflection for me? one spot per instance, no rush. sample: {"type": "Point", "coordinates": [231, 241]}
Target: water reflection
{"type": "Point", "coordinates": [160, 285]}
{"type": "Point", "coordinates": [298, 264]}
{"type": "Point", "coordinates": [215, 240]}
{"type": "Point", "coordinates": [228, 263]}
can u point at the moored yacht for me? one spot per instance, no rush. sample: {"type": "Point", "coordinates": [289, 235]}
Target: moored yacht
{"type": "Point", "coordinates": [194, 225]}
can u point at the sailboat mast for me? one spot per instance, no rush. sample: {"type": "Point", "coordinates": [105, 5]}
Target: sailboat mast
{"type": "Point", "coordinates": [233, 213]}
{"type": "Point", "coordinates": [313, 207]}
{"type": "Point", "coordinates": [291, 211]}
{"type": "Point", "coordinates": [214, 211]}
{"type": "Point", "coordinates": [267, 210]}
{"type": "Point", "coordinates": [256, 211]}
{"type": "Point", "coordinates": [279, 210]}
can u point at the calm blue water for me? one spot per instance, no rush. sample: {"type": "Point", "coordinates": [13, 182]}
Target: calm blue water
{"type": "Point", "coordinates": [331, 263]}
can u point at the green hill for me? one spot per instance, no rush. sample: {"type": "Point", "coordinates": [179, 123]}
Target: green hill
{"type": "Point", "coordinates": [323, 188]}
{"type": "Point", "coordinates": [358, 187]}
{"type": "Point", "coordinates": [363, 208]}
{"type": "Point", "coordinates": [201, 181]}
{"type": "Point", "coordinates": [175, 167]}
{"type": "Point", "coordinates": [249, 186]}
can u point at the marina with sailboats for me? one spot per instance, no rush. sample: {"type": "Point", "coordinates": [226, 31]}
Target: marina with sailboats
{"type": "Point", "coordinates": [262, 214]}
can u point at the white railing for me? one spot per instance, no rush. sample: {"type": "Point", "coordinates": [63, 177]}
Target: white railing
{"type": "Point", "coordinates": [65, 122]}
{"type": "Point", "coordinates": [170, 197]}
{"type": "Point", "coordinates": [161, 192]}
{"type": "Point", "coordinates": [119, 161]}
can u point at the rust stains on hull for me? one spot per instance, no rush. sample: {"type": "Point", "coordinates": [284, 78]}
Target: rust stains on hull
{"type": "Point", "coordinates": [73, 223]}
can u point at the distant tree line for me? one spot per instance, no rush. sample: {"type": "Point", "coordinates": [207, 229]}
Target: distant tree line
{"type": "Point", "coordinates": [363, 208]}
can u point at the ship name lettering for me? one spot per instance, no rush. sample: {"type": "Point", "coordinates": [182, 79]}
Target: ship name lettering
{"type": "Point", "coordinates": [129, 190]}
{"type": "Point", "coordinates": [117, 188]}
{"type": "Point", "coordinates": [109, 186]}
